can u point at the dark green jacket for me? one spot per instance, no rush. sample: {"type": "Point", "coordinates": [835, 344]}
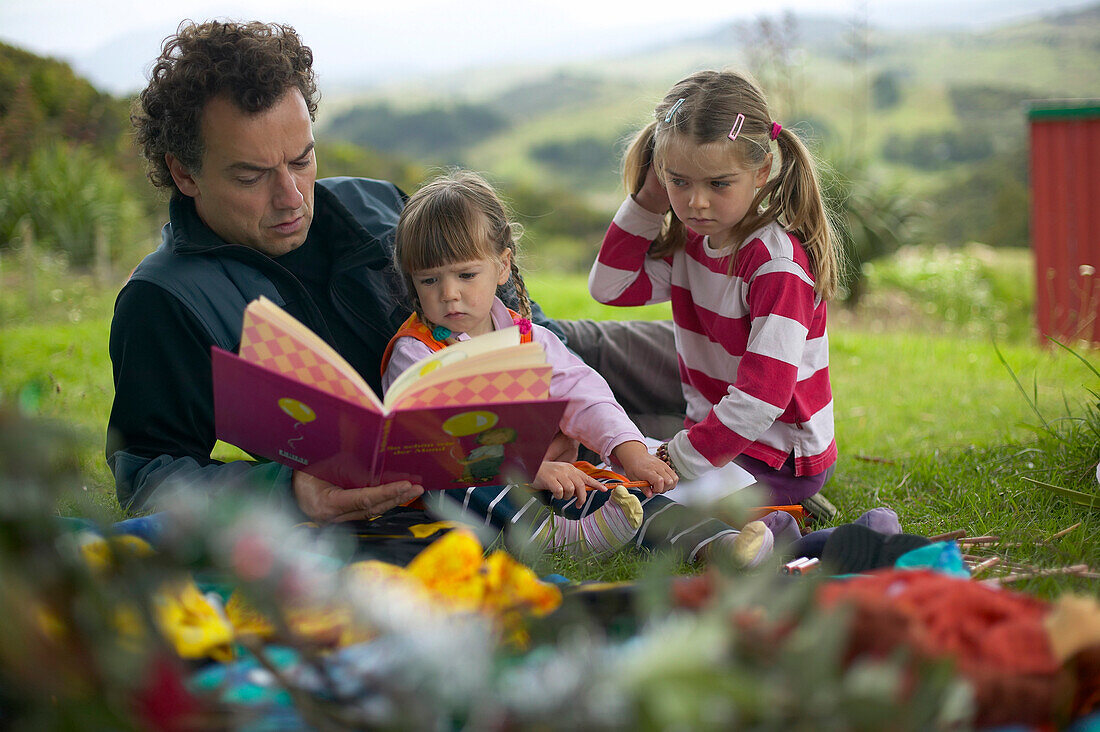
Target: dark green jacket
{"type": "Point", "coordinates": [190, 294]}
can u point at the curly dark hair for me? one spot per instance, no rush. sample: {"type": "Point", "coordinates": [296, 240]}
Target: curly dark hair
{"type": "Point", "coordinates": [253, 63]}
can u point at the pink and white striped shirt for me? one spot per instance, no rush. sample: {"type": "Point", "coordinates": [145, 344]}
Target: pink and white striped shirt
{"type": "Point", "coordinates": [752, 347]}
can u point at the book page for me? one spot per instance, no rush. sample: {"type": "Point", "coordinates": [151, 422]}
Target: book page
{"type": "Point", "coordinates": [521, 356]}
{"type": "Point", "coordinates": [447, 357]}
{"type": "Point", "coordinates": [276, 340]}
{"type": "Point", "coordinates": [493, 386]}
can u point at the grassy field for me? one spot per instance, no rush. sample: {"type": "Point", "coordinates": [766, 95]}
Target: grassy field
{"type": "Point", "coordinates": [929, 420]}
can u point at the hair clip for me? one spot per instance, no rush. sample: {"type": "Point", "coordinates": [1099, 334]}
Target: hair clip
{"type": "Point", "coordinates": [737, 124]}
{"type": "Point", "coordinates": [776, 127]}
{"type": "Point", "coordinates": [675, 108]}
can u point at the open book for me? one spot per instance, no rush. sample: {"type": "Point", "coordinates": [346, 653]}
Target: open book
{"type": "Point", "coordinates": [478, 412]}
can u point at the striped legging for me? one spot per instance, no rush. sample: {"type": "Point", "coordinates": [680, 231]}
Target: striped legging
{"type": "Point", "coordinates": [666, 525]}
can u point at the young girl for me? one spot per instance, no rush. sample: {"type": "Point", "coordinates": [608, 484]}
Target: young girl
{"type": "Point", "coordinates": [748, 260]}
{"type": "Point", "coordinates": [455, 246]}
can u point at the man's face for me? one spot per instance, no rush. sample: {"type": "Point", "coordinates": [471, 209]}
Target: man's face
{"type": "Point", "coordinates": [256, 183]}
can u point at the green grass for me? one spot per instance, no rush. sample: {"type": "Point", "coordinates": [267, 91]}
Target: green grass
{"type": "Point", "coordinates": [929, 421]}
{"type": "Point", "coordinates": [62, 371]}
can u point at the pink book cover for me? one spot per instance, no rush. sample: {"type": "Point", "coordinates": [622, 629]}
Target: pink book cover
{"type": "Point", "coordinates": [277, 417]}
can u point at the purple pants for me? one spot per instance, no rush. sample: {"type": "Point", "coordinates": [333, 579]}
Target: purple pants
{"type": "Point", "coordinates": [784, 487]}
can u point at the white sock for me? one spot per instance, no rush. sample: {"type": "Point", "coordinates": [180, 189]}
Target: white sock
{"type": "Point", "coordinates": [747, 548]}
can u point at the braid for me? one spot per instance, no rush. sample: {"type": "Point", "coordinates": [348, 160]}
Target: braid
{"type": "Point", "coordinates": [521, 287]}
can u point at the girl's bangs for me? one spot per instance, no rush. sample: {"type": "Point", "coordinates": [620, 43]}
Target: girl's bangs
{"type": "Point", "coordinates": [445, 240]}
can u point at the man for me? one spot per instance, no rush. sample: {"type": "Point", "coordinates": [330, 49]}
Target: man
{"type": "Point", "coordinates": [225, 125]}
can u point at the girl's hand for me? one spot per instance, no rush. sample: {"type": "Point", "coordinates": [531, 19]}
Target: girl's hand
{"type": "Point", "coordinates": [565, 480]}
{"type": "Point", "coordinates": [638, 464]}
{"type": "Point", "coordinates": [652, 196]}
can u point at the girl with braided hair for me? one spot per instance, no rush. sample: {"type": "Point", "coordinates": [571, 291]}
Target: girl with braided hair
{"type": "Point", "coordinates": [455, 248]}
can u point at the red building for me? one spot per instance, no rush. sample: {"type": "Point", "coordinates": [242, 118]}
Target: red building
{"type": "Point", "coordinates": [1065, 217]}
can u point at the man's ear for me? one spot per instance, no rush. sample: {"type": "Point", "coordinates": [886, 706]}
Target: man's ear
{"type": "Point", "coordinates": [181, 175]}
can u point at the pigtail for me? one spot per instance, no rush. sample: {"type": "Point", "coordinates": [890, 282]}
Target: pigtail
{"type": "Point", "coordinates": [523, 299]}
{"type": "Point", "coordinates": [792, 198]}
{"type": "Point", "coordinates": [636, 163]}
{"type": "Point", "coordinates": [795, 199]}
{"type": "Point", "coordinates": [638, 158]}
{"type": "Point", "coordinates": [406, 236]}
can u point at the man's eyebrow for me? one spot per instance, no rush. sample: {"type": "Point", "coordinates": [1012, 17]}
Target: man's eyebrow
{"type": "Point", "coordinates": [307, 151]}
{"type": "Point", "coordinates": [261, 168]}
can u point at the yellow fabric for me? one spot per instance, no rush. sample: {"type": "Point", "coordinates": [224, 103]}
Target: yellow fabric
{"type": "Point", "coordinates": [451, 571]}
{"type": "Point", "coordinates": [422, 531]}
{"type": "Point", "coordinates": [326, 625]}
{"type": "Point", "coordinates": [191, 624]}
{"type": "Point", "coordinates": [454, 572]}
{"type": "Point", "coordinates": [100, 553]}
{"type": "Point", "coordinates": [186, 619]}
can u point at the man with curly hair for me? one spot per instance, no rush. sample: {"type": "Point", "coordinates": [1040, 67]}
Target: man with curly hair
{"type": "Point", "coordinates": [226, 127]}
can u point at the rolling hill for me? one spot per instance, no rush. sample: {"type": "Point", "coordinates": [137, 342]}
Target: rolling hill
{"type": "Point", "coordinates": [920, 106]}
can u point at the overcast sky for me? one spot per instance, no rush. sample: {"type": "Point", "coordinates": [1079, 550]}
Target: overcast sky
{"type": "Point", "coordinates": [112, 41]}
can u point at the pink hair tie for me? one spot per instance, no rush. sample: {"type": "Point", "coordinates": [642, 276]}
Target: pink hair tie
{"type": "Point", "coordinates": [524, 325]}
{"type": "Point", "coordinates": [776, 127]}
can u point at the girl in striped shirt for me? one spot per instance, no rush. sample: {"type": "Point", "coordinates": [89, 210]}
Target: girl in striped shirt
{"type": "Point", "coordinates": [726, 221]}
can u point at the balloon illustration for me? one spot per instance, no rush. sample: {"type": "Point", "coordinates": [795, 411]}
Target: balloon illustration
{"type": "Point", "coordinates": [298, 411]}
{"type": "Point", "coordinates": [468, 423]}
{"type": "Point", "coordinates": [444, 359]}
{"type": "Point", "coordinates": [429, 367]}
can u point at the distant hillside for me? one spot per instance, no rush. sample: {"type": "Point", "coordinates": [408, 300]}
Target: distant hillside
{"type": "Point", "coordinates": [808, 64]}
{"type": "Point", "coordinates": [43, 99]}
{"type": "Point", "coordinates": [924, 109]}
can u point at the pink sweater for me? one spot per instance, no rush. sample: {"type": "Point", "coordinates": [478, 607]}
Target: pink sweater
{"type": "Point", "coordinates": [752, 348]}
{"type": "Point", "coordinates": [592, 415]}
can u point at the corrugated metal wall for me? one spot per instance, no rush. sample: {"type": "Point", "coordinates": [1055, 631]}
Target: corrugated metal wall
{"type": "Point", "coordinates": [1065, 218]}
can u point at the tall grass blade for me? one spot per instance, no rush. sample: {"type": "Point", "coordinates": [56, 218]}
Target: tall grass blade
{"type": "Point", "coordinates": [1031, 401]}
{"type": "Point", "coordinates": [1078, 497]}
{"type": "Point", "coordinates": [1079, 357]}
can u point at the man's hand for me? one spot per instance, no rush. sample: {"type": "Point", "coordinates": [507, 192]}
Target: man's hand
{"type": "Point", "coordinates": [326, 503]}
{"type": "Point", "coordinates": [565, 480]}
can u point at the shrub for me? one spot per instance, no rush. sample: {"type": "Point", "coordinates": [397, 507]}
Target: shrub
{"type": "Point", "coordinates": [934, 150]}
{"type": "Point", "coordinates": [975, 290]}
{"type": "Point", "coordinates": [873, 219]}
{"type": "Point", "coordinates": [437, 132]}
{"type": "Point", "coordinates": [69, 194]}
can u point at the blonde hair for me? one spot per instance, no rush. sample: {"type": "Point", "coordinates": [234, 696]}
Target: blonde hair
{"type": "Point", "coordinates": [702, 109]}
{"type": "Point", "coordinates": [456, 217]}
